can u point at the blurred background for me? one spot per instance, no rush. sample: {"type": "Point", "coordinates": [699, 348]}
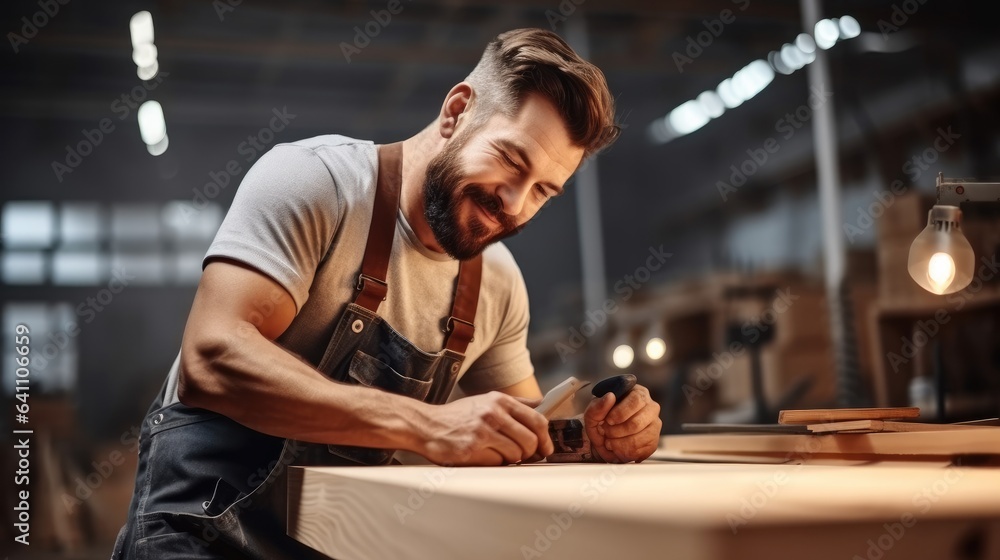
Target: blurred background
{"type": "Point", "coordinates": [697, 252]}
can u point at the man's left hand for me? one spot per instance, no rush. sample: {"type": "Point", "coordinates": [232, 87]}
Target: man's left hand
{"type": "Point", "coordinates": [624, 431]}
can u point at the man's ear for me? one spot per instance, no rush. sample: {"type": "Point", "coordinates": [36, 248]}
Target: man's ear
{"type": "Point", "coordinates": [455, 105]}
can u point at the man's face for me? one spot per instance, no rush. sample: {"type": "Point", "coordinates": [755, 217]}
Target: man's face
{"type": "Point", "coordinates": [487, 183]}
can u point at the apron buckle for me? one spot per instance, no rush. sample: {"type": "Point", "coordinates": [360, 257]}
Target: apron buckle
{"type": "Point", "coordinates": [449, 325]}
{"type": "Point", "coordinates": [361, 283]}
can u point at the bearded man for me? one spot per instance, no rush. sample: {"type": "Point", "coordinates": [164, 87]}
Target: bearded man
{"type": "Point", "coordinates": [350, 288]}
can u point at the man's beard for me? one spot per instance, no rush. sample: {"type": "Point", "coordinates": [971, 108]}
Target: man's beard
{"type": "Point", "coordinates": [443, 198]}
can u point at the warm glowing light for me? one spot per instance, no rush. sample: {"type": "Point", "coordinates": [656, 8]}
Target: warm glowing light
{"type": "Point", "coordinates": [622, 356]}
{"type": "Point", "coordinates": [941, 260]}
{"type": "Point", "coordinates": [656, 348]}
{"type": "Point", "coordinates": [940, 272]}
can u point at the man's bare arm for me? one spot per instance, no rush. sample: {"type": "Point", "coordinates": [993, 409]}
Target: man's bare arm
{"type": "Point", "coordinates": [526, 389]}
{"type": "Point", "coordinates": [230, 364]}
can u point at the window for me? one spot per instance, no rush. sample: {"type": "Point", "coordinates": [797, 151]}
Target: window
{"type": "Point", "coordinates": [53, 346]}
{"type": "Point", "coordinates": [23, 267]}
{"type": "Point", "coordinates": [28, 224]}
{"type": "Point", "coordinates": [82, 243]}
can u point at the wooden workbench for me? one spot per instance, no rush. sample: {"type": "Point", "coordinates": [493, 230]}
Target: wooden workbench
{"type": "Point", "coordinates": [650, 510]}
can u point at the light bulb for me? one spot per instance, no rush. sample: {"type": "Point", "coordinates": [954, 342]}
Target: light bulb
{"type": "Point", "coordinates": [941, 260]}
{"type": "Point", "coordinates": [940, 272]}
{"type": "Point", "coordinates": [622, 356]}
{"type": "Point", "coordinates": [656, 348]}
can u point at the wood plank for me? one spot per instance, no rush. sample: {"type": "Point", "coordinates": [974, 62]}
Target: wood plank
{"type": "Point", "coordinates": [980, 441]}
{"type": "Point", "coordinates": [696, 428]}
{"type": "Point", "coordinates": [866, 426]}
{"type": "Point", "coordinates": [847, 426]}
{"type": "Point", "coordinates": [823, 415]}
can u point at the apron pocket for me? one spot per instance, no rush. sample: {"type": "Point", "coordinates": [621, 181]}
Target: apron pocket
{"type": "Point", "coordinates": [179, 546]}
{"type": "Point", "coordinates": [372, 372]}
{"type": "Point", "coordinates": [164, 538]}
{"type": "Point", "coordinates": [224, 496]}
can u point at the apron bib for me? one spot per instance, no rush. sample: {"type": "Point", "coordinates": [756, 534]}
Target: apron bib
{"type": "Point", "coordinates": [209, 487]}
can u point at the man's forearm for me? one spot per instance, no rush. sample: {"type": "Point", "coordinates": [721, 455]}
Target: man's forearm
{"type": "Point", "coordinates": [257, 383]}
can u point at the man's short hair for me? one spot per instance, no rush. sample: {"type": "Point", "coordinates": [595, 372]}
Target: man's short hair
{"type": "Point", "coordinates": [524, 61]}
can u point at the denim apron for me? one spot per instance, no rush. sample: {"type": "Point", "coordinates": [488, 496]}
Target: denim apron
{"type": "Point", "coordinates": [208, 487]}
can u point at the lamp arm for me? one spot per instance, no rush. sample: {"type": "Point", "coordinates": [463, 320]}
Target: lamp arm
{"type": "Point", "coordinates": [953, 192]}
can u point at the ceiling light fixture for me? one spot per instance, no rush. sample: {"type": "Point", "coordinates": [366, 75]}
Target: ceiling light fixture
{"type": "Point", "coordinates": [751, 80]}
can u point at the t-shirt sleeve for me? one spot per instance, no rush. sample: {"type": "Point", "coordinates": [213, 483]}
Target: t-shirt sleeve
{"type": "Point", "coordinates": [507, 360]}
{"type": "Point", "coordinates": [282, 219]}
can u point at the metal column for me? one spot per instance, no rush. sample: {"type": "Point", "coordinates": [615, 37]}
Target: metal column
{"type": "Point", "coordinates": [588, 211]}
{"type": "Point", "coordinates": [828, 179]}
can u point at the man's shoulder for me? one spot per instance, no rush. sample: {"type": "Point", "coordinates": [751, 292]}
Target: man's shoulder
{"type": "Point", "coordinates": [338, 152]}
{"type": "Point", "coordinates": [339, 161]}
{"type": "Point", "coordinates": [331, 142]}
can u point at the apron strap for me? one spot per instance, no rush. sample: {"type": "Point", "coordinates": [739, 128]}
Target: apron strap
{"type": "Point", "coordinates": [372, 285]}
{"type": "Point", "coordinates": [460, 325]}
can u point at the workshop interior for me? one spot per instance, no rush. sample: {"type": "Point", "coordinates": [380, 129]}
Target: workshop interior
{"type": "Point", "coordinates": [801, 213]}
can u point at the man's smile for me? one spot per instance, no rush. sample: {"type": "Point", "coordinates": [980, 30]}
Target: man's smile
{"type": "Point", "coordinates": [489, 219]}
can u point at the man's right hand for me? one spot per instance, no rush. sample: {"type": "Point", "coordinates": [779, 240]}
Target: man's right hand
{"type": "Point", "coordinates": [489, 429]}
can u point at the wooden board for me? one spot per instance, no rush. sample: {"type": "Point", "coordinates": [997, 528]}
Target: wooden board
{"type": "Point", "coordinates": [650, 510]}
{"type": "Point", "coordinates": [823, 415]}
{"type": "Point", "coordinates": [979, 441]}
{"type": "Point", "coordinates": [717, 428]}
{"type": "Point", "coordinates": [867, 426]}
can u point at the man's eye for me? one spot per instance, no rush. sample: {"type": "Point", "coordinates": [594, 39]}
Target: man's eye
{"type": "Point", "coordinates": [542, 191]}
{"type": "Point", "coordinates": [509, 162]}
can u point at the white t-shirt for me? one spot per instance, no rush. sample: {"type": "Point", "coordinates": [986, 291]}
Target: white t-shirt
{"type": "Point", "coordinates": [301, 216]}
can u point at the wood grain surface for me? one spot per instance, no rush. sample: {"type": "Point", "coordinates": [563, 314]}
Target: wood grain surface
{"type": "Point", "coordinates": [822, 415]}
{"type": "Point", "coordinates": [649, 510]}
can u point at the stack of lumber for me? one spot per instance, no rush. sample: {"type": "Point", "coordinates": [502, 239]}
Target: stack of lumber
{"type": "Point", "coordinates": [859, 435]}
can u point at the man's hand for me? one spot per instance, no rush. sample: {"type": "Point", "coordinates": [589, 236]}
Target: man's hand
{"type": "Point", "coordinates": [626, 431]}
{"type": "Point", "coordinates": [490, 429]}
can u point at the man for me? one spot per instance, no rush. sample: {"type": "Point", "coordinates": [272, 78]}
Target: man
{"type": "Point", "coordinates": [339, 272]}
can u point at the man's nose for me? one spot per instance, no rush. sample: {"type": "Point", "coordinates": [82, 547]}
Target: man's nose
{"type": "Point", "coordinates": [513, 196]}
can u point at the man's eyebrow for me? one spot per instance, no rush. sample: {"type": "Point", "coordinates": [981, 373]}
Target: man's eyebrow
{"type": "Point", "coordinates": [523, 154]}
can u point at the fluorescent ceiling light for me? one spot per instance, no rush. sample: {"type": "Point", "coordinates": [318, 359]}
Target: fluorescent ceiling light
{"type": "Point", "coordinates": [688, 117]}
{"type": "Point", "coordinates": [827, 32]}
{"type": "Point", "coordinates": [141, 28]}
{"type": "Point", "coordinates": [849, 27]}
{"type": "Point", "coordinates": [711, 103]}
{"type": "Point", "coordinates": [152, 127]}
